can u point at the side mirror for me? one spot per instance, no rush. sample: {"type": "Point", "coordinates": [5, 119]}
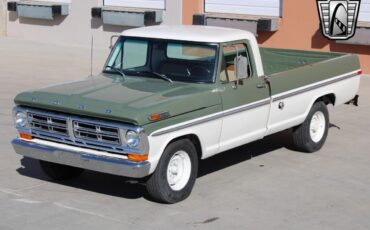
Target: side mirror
{"type": "Point", "coordinates": [241, 67]}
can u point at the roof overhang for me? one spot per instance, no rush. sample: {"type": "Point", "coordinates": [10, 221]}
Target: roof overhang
{"type": "Point", "coordinates": [237, 21]}
{"type": "Point", "coordinates": [39, 10]}
{"type": "Point", "coordinates": [124, 16]}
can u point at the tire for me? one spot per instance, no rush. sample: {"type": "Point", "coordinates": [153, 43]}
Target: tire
{"type": "Point", "coordinates": [170, 183]}
{"type": "Point", "coordinates": [60, 172]}
{"type": "Point", "coordinates": [310, 136]}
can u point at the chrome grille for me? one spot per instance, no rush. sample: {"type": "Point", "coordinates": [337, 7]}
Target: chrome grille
{"type": "Point", "coordinates": [48, 123]}
{"type": "Point", "coordinates": [96, 132]}
{"type": "Point", "coordinates": [79, 131]}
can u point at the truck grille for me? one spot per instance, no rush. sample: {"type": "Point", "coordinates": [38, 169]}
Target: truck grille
{"type": "Point", "coordinates": [48, 123]}
{"type": "Point", "coordinates": [96, 132]}
{"type": "Point", "coordinates": [78, 131]}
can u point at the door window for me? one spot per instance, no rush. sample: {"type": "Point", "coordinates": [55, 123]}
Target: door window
{"type": "Point", "coordinates": [230, 53]}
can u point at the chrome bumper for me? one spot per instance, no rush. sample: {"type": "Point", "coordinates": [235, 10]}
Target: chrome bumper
{"type": "Point", "coordinates": [80, 159]}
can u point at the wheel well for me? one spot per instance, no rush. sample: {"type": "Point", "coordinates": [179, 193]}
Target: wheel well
{"type": "Point", "coordinates": [194, 139]}
{"type": "Point", "coordinates": [327, 99]}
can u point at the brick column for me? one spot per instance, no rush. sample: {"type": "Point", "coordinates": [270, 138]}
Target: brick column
{"type": "Point", "coordinates": [189, 8]}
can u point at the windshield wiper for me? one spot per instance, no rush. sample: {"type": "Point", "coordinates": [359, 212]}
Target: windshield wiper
{"type": "Point", "coordinates": [116, 70]}
{"type": "Point", "coordinates": [163, 76]}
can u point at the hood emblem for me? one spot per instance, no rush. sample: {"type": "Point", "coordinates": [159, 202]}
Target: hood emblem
{"type": "Point", "coordinates": [56, 102]}
{"type": "Point", "coordinates": [108, 111]}
{"type": "Point", "coordinates": [82, 107]}
{"type": "Point", "coordinates": [33, 99]}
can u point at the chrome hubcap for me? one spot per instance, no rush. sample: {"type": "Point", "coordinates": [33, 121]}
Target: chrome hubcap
{"type": "Point", "coordinates": [317, 126]}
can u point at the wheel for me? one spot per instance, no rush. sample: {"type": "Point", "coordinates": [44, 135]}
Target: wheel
{"type": "Point", "coordinates": [311, 135]}
{"type": "Point", "coordinates": [60, 172]}
{"type": "Point", "coordinates": [175, 175]}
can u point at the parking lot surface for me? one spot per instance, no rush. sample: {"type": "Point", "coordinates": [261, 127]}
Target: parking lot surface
{"type": "Point", "coordinates": [262, 185]}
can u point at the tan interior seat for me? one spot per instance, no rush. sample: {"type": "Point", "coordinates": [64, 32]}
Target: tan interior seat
{"type": "Point", "coordinates": [230, 77]}
{"type": "Point", "coordinates": [231, 73]}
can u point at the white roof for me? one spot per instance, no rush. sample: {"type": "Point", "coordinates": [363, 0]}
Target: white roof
{"type": "Point", "coordinates": [190, 33]}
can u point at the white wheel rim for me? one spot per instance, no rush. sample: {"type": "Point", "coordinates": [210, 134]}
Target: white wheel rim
{"type": "Point", "coordinates": [317, 126]}
{"type": "Point", "coordinates": [178, 170]}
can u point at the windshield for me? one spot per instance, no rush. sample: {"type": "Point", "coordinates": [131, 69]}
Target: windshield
{"type": "Point", "coordinates": [176, 60]}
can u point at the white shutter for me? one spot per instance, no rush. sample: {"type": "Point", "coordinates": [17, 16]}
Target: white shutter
{"type": "Point", "coordinates": [58, 1]}
{"type": "Point", "coordinates": [152, 4]}
{"type": "Point", "coordinates": [250, 7]}
{"type": "Point", "coordinates": [364, 15]}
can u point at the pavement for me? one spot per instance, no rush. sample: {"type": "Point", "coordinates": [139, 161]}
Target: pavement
{"type": "Point", "coordinates": [262, 185]}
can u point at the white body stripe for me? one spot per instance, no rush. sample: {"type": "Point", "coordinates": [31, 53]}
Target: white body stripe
{"type": "Point", "coordinates": [234, 123]}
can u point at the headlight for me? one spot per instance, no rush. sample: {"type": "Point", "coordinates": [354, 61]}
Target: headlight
{"type": "Point", "coordinates": [132, 138]}
{"type": "Point", "coordinates": [20, 119]}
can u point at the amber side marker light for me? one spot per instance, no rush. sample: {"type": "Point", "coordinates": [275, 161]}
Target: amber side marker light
{"type": "Point", "coordinates": [359, 72]}
{"type": "Point", "coordinates": [137, 158]}
{"type": "Point", "coordinates": [25, 136]}
{"type": "Point", "coordinates": [158, 116]}
{"type": "Point", "coordinates": [155, 117]}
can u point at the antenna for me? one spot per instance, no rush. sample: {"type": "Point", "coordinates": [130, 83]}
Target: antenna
{"type": "Point", "coordinates": [92, 55]}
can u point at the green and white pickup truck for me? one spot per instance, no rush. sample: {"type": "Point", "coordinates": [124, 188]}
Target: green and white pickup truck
{"type": "Point", "coordinates": [170, 96]}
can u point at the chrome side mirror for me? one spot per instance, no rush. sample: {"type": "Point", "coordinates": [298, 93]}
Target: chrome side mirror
{"type": "Point", "coordinates": [241, 67]}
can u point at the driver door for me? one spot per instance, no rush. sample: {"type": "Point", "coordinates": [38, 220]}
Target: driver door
{"type": "Point", "coordinates": [246, 103]}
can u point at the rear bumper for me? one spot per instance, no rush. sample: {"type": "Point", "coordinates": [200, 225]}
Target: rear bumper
{"type": "Point", "coordinates": [82, 159]}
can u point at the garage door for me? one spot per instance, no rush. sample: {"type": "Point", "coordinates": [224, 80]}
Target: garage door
{"type": "Point", "coordinates": [251, 7]}
{"type": "Point", "coordinates": [364, 11]}
{"type": "Point", "coordinates": [59, 1]}
{"type": "Point", "coordinates": [152, 4]}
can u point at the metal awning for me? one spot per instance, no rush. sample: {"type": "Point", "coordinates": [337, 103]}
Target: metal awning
{"type": "Point", "coordinates": [245, 22]}
{"type": "Point", "coordinates": [125, 16]}
{"type": "Point", "coordinates": [361, 37]}
{"type": "Point", "coordinates": [39, 10]}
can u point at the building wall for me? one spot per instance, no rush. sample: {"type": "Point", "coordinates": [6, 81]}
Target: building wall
{"type": "Point", "coordinates": [78, 27]}
{"type": "Point", "coordinates": [3, 19]}
{"type": "Point", "coordinates": [299, 28]}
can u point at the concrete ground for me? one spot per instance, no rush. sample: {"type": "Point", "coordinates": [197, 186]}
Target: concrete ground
{"type": "Point", "coordinates": [263, 185]}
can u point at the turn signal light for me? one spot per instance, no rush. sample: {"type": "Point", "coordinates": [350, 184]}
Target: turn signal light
{"type": "Point", "coordinates": [25, 136]}
{"type": "Point", "coordinates": [137, 158]}
{"type": "Point", "coordinates": [359, 72]}
{"type": "Point", "coordinates": [158, 116]}
{"type": "Point", "coordinates": [155, 117]}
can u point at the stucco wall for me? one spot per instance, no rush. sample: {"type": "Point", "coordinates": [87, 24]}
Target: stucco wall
{"type": "Point", "coordinates": [78, 27]}
{"type": "Point", "coordinates": [3, 14]}
{"type": "Point", "coordinates": [299, 28]}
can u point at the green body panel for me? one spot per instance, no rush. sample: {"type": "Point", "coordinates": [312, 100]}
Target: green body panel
{"type": "Point", "coordinates": [280, 60]}
{"type": "Point", "coordinates": [130, 100]}
{"type": "Point", "coordinates": [315, 72]}
{"type": "Point", "coordinates": [245, 93]}
{"type": "Point", "coordinates": [154, 126]}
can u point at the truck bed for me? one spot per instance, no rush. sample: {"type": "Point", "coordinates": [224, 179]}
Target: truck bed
{"type": "Point", "coordinates": [292, 69]}
{"type": "Point", "coordinates": [280, 60]}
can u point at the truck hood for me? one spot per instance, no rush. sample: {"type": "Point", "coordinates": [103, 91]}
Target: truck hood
{"type": "Point", "coordinates": [129, 99]}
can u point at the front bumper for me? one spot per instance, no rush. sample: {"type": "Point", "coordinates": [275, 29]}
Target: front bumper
{"type": "Point", "coordinates": [78, 157]}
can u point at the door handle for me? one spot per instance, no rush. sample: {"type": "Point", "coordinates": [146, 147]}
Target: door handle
{"type": "Point", "coordinates": [261, 85]}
